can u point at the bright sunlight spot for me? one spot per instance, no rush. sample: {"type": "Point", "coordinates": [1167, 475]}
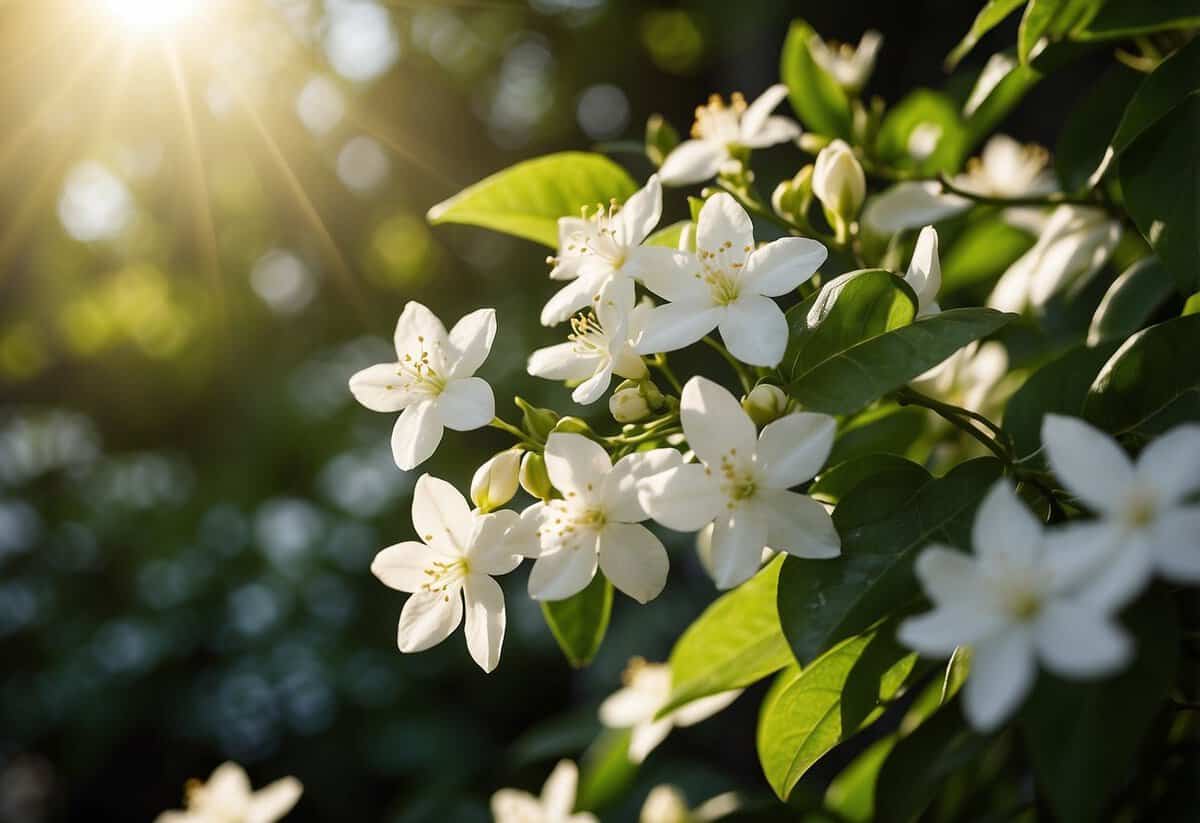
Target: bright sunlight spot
{"type": "Point", "coordinates": [148, 15]}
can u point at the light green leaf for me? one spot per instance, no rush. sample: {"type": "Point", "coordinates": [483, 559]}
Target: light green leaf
{"type": "Point", "coordinates": [991, 15]}
{"type": "Point", "coordinates": [809, 711]}
{"type": "Point", "coordinates": [1053, 19]}
{"type": "Point", "coordinates": [818, 100]}
{"type": "Point", "coordinates": [735, 642]}
{"type": "Point", "coordinates": [982, 252]}
{"type": "Point", "coordinates": [668, 235]}
{"type": "Point", "coordinates": [923, 107]}
{"type": "Point", "coordinates": [605, 770]}
{"type": "Point", "coordinates": [1090, 127]}
{"type": "Point", "coordinates": [1171, 82]}
{"type": "Point", "coordinates": [579, 622]}
{"type": "Point", "coordinates": [1192, 306]}
{"type": "Point", "coordinates": [883, 525]}
{"type": "Point", "coordinates": [1119, 19]}
{"type": "Point", "coordinates": [1131, 300]}
{"type": "Point", "coordinates": [527, 199]}
{"type": "Point", "coordinates": [845, 381]}
{"type": "Point", "coordinates": [1151, 383]}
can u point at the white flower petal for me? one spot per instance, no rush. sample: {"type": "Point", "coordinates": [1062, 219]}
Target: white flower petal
{"type": "Point", "coordinates": [939, 632]}
{"type": "Point", "coordinates": [577, 294]}
{"type": "Point", "coordinates": [737, 543]}
{"type": "Point", "coordinates": [911, 205]}
{"type": "Point", "coordinates": [485, 619]}
{"type": "Point", "coordinates": [774, 131]}
{"type": "Point", "coordinates": [511, 806]}
{"type": "Point", "coordinates": [646, 737]}
{"type": "Point", "coordinates": [419, 329]}
{"type": "Point", "coordinates": [416, 435]}
{"type": "Point", "coordinates": [755, 330]}
{"type": "Point", "coordinates": [634, 560]}
{"type": "Point", "coordinates": [756, 114]}
{"type": "Point", "coordinates": [576, 464]}
{"type": "Point", "coordinates": [491, 550]}
{"type": "Point", "coordinates": [620, 486]}
{"type": "Point", "coordinates": [1006, 535]}
{"type": "Point", "coordinates": [273, 801]}
{"type": "Point", "coordinates": [672, 275]}
{"type": "Point", "coordinates": [792, 449]}
{"type": "Point", "coordinates": [402, 566]}
{"type": "Point", "coordinates": [428, 618]}
{"type": "Point", "coordinates": [629, 707]}
{"type": "Point", "coordinates": [684, 498]}
{"type": "Point", "coordinates": [1176, 545]}
{"type": "Point", "coordinates": [378, 388]}
{"type": "Point", "coordinates": [781, 265]}
{"type": "Point", "coordinates": [470, 342]}
{"type": "Point", "coordinates": [466, 404]}
{"type": "Point", "coordinates": [949, 577]}
{"type": "Point", "coordinates": [558, 794]}
{"type": "Point", "coordinates": [228, 782]}
{"type": "Point", "coordinates": [561, 574]}
{"type": "Point", "coordinates": [592, 389]}
{"type": "Point", "coordinates": [925, 271]}
{"type": "Point", "coordinates": [700, 710]}
{"type": "Point", "coordinates": [1089, 463]}
{"type": "Point", "coordinates": [640, 214]}
{"type": "Point", "coordinates": [677, 325]}
{"type": "Point", "coordinates": [441, 516]}
{"type": "Point", "coordinates": [715, 423]}
{"type": "Point", "coordinates": [1171, 463]}
{"type": "Point", "coordinates": [797, 524]}
{"type": "Point", "coordinates": [563, 362]}
{"type": "Point", "coordinates": [692, 161]}
{"type": "Point", "coordinates": [1077, 641]}
{"type": "Point", "coordinates": [1002, 671]}
{"type": "Point", "coordinates": [723, 221]}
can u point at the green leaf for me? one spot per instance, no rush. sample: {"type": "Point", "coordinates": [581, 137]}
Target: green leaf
{"type": "Point", "coordinates": [1059, 387]}
{"type": "Point", "coordinates": [1131, 300]}
{"type": "Point", "coordinates": [887, 428]}
{"type": "Point", "coordinates": [845, 381]}
{"type": "Point", "coordinates": [1171, 82]}
{"type": "Point", "coordinates": [818, 100]}
{"type": "Point", "coordinates": [579, 622]}
{"type": "Point", "coordinates": [1119, 19]}
{"type": "Point", "coordinates": [527, 199]}
{"type": "Point", "coordinates": [921, 107]}
{"type": "Point", "coordinates": [984, 115]}
{"type": "Point", "coordinates": [1160, 176]}
{"type": "Point", "coordinates": [882, 528]}
{"type": "Point", "coordinates": [1084, 738]}
{"type": "Point", "coordinates": [835, 483]}
{"type": "Point", "coordinates": [1052, 19]}
{"type": "Point", "coordinates": [809, 711]}
{"type": "Point", "coordinates": [982, 252]}
{"type": "Point", "coordinates": [668, 235]}
{"type": "Point", "coordinates": [1151, 383]}
{"type": "Point", "coordinates": [991, 15]}
{"type": "Point", "coordinates": [1192, 306]}
{"type": "Point", "coordinates": [605, 770]}
{"type": "Point", "coordinates": [735, 642]}
{"type": "Point", "coordinates": [1090, 127]}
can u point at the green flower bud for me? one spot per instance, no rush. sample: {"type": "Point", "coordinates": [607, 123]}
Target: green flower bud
{"type": "Point", "coordinates": [534, 478]}
{"type": "Point", "coordinates": [537, 422]}
{"type": "Point", "coordinates": [495, 482]}
{"type": "Point", "coordinates": [661, 139]}
{"type": "Point", "coordinates": [572, 425]}
{"type": "Point", "coordinates": [791, 198]}
{"type": "Point", "coordinates": [765, 403]}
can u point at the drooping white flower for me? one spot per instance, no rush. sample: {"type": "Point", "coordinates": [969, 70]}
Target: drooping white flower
{"type": "Point", "coordinates": [1075, 244]}
{"type": "Point", "coordinates": [432, 381]}
{"type": "Point", "coordinates": [925, 272]}
{"type": "Point", "coordinates": [1013, 603]}
{"type": "Point", "coordinates": [1144, 517]}
{"type": "Point", "coordinates": [596, 522]}
{"type": "Point", "coordinates": [459, 554]}
{"type": "Point", "coordinates": [605, 249]}
{"type": "Point", "coordinates": [228, 798]}
{"type": "Point", "coordinates": [839, 182]}
{"type": "Point", "coordinates": [742, 483]}
{"type": "Point", "coordinates": [555, 805]}
{"type": "Point", "coordinates": [719, 127]}
{"type": "Point", "coordinates": [731, 288]}
{"type": "Point", "coordinates": [600, 345]}
{"type": "Point", "coordinates": [850, 67]}
{"type": "Point", "coordinates": [646, 691]}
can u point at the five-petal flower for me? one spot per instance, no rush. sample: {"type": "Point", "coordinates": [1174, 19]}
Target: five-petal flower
{"type": "Point", "coordinates": [554, 806]}
{"type": "Point", "coordinates": [432, 381]}
{"type": "Point", "coordinates": [850, 66]}
{"type": "Point", "coordinates": [227, 797]}
{"type": "Point", "coordinates": [743, 482]}
{"type": "Point", "coordinates": [461, 551]}
{"type": "Point", "coordinates": [731, 288]}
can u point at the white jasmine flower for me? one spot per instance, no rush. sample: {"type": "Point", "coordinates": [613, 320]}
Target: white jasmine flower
{"type": "Point", "coordinates": [666, 804]}
{"type": "Point", "coordinates": [554, 806]}
{"type": "Point", "coordinates": [647, 689]}
{"type": "Point", "coordinates": [600, 345]}
{"type": "Point", "coordinates": [838, 181]}
{"type": "Point", "coordinates": [228, 798]}
{"type": "Point", "coordinates": [970, 377]}
{"type": "Point", "coordinates": [850, 67]}
{"type": "Point", "coordinates": [461, 551]}
{"type": "Point", "coordinates": [925, 272]}
{"type": "Point", "coordinates": [1144, 515]}
{"type": "Point", "coordinates": [1075, 244]}
{"type": "Point", "coordinates": [742, 483]}
{"type": "Point", "coordinates": [596, 522]}
{"type": "Point", "coordinates": [1013, 603]}
{"type": "Point", "coordinates": [720, 127]}
{"type": "Point", "coordinates": [432, 381]}
{"type": "Point", "coordinates": [495, 482]}
{"type": "Point", "coordinates": [731, 289]}
{"type": "Point", "coordinates": [606, 248]}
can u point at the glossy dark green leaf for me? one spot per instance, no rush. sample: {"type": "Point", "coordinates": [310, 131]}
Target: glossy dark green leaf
{"type": "Point", "coordinates": [1084, 139]}
{"type": "Point", "coordinates": [844, 381]}
{"type": "Point", "coordinates": [887, 428]}
{"type": "Point", "coordinates": [923, 107]}
{"type": "Point", "coordinates": [1151, 383]}
{"type": "Point", "coordinates": [993, 13]}
{"type": "Point", "coordinates": [834, 484]}
{"type": "Point", "coordinates": [579, 622]}
{"type": "Point", "coordinates": [1058, 387]}
{"type": "Point", "coordinates": [817, 99]}
{"type": "Point", "coordinates": [882, 527]}
{"type": "Point", "coordinates": [1160, 176]}
{"type": "Point", "coordinates": [1131, 300]}
{"type": "Point", "coordinates": [981, 253]}
{"type": "Point", "coordinates": [605, 770]}
{"type": "Point", "coordinates": [1052, 19]}
{"type": "Point", "coordinates": [527, 199]}
{"type": "Point", "coordinates": [809, 711]}
{"type": "Point", "coordinates": [1171, 82]}
{"type": "Point", "coordinates": [1084, 738]}
{"type": "Point", "coordinates": [735, 642]}
{"type": "Point", "coordinates": [1129, 18]}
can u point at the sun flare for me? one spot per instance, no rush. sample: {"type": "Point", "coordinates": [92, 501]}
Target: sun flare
{"type": "Point", "coordinates": [149, 15]}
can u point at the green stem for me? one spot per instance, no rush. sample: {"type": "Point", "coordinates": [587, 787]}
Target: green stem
{"type": "Point", "coordinates": [523, 439]}
{"type": "Point", "coordinates": [949, 187]}
{"type": "Point", "coordinates": [660, 362]}
{"type": "Point", "coordinates": [743, 378]}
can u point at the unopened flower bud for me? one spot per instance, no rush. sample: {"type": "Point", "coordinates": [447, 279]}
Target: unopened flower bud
{"type": "Point", "coordinates": [537, 422]}
{"type": "Point", "coordinates": [791, 197]}
{"type": "Point", "coordinates": [572, 425]}
{"type": "Point", "coordinates": [765, 403]}
{"type": "Point", "coordinates": [628, 405]}
{"type": "Point", "coordinates": [661, 139]}
{"type": "Point", "coordinates": [839, 182]}
{"type": "Point", "coordinates": [812, 143]}
{"type": "Point", "coordinates": [534, 477]}
{"type": "Point", "coordinates": [495, 482]}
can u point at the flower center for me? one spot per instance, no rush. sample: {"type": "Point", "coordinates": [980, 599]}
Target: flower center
{"type": "Point", "coordinates": [588, 336]}
{"type": "Point", "coordinates": [718, 121]}
{"type": "Point", "coordinates": [571, 520]}
{"type": "Point", "coordinates": [738, 483]}
{"type": "Point", "coordinates": [1024, 604]}
{"type": "Point", "coordinates": [440, 575]}
{"type": "Point", "coordinates": [721, 269]}
{"type": "Point", "coordinates": [417, 372]}
{"type": "Point", "coordinates": [1140, 511]}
